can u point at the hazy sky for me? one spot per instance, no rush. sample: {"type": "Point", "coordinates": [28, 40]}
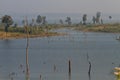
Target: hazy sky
{"type": "Point", "coordinates": [59, 6]}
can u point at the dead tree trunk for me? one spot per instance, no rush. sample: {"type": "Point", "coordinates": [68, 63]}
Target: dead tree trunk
{"type": "Point", "coordinates": [69, 72]}
{"type": "Point", "coordinates": [89, 70]}
{"type": "Point", "coordinates": [27, 46]}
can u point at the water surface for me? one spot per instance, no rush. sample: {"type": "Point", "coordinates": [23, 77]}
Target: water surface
{"type": "Point", "coordinates": [49, 52]}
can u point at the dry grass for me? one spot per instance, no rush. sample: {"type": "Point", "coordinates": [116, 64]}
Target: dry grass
{"type": "Point", "coordinates": [4, 35]}
{"type": "Point", "coordinates": [110, 28]}
{"type": "Point", "coordinates": [14, 35]}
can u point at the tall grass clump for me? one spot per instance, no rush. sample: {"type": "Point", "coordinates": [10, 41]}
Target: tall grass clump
{"type": "Point", "coordinates": [117, 73]}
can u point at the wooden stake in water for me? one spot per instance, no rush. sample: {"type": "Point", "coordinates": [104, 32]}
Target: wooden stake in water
{"type": "Point", "coordinates": [89, 70]}
{"type": "Point", "coordinates": [69, 67]}
{"type": "Point", "coordinates": [54, 68]}
{"type": "Point", "coordinates": [69, 72]}
{"type": "Point", "coordinates": [40, 77]}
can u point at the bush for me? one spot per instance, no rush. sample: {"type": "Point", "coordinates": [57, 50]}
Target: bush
{"type": "Point", "coordinates": [16, 29]}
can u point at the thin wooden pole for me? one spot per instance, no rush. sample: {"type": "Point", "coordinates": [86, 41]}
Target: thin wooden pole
{"type": "Point", "coordinates": [54, 68]}
{"type": "Point", "coordinates": [69, 70]}
{"type": "Point", "coordinates": [89, 70]}
{"type": "Point", "coordinates": [27, 46]}
{"type": "Point", "coordinates": [40, 77]}
{"type": "Point", "coordinates": [69, 67]}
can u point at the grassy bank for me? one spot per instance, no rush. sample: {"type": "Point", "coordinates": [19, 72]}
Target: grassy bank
{"type": "Point", "coordinates": [44, 31]}
{"type": "Point", "coordinates": [109, 28]}
{"type": "Point", "coordinates": [20, 32]}
{"type": "Point", "coordinates": [16, 35]}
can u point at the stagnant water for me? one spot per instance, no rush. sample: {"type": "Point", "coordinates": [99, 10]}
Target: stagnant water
{"type": "Point", "coordinates": [49, 56]}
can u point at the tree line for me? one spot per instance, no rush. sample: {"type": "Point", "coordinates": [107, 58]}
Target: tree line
{"type": "Point", "coordinates": [7, 20]}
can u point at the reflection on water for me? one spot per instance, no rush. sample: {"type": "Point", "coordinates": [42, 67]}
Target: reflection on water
{"type": "Point", "coordinates": [49, 56]}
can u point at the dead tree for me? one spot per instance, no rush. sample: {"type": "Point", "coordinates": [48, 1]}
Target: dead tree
{"type": "Point", "coordinates": [27, 46]}
{"type": "Point", "coordinates": [69, 69]}
{"type": "Point", "coordinates": [89, 70]}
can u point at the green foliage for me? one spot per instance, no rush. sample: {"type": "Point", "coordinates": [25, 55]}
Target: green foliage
{"type": "Point", "coordinates": [7, 20]}
{"type": "Point", "coordinates": [39, 19]}
{"type": "Point", "coordinates": [61, 21]}
{"type": "Point", "coordinates": [84, 19]}
{"type": "Point", "coordinates": [44, 20]}
{"type": "Point", "coordinates": [32, 30]}
{"type": "Point", "coordinates": [68, 20]}
{"type": "Point", "coordinates": [16, 29]}
{"type": "Point", "coordinates": [98, 15]}
{"type": "Point", "coordinates": [110, 17]}
{"type": "Point", "coordinates": [94, 19]}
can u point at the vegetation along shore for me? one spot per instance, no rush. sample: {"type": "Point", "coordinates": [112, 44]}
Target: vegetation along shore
{"type": "Point", "coordinates": [40, 28]}
{"type": "Point", "coordinates": [8, 30]}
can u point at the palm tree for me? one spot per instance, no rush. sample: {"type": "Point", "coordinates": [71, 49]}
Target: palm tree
{"type": "Point", "coordinates": [98, 15]}
{"type": "Point", "coordinates": [110, 17]}
{"type": "Point", "coordinates": [61, 21]}
{"type": "Point", "coordinates": [7, 20]}
{"type": "Point", "coordinates": [23, 22]}
{"type": "Point", "coordinates": [68, 20]}
{"type": "Point", "coordinates": [101, 21]}
{"type": "Point", "coordinates": [44, 20]}
{"type": "Point", "coordinates": [33, 22]}
{"type": "Point", "coordinates": [94, 19]}
{"type": "Point", "coordinates": [15, 25]}
{"type": "Point", "coordinates": [39, 19]}
{"type": "Point", "coordinates": [84, 19]}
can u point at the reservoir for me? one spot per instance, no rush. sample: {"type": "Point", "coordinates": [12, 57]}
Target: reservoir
{"type": "Point", "coordinates": [49, 56]}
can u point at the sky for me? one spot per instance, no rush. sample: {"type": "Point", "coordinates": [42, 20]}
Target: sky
{"type": "Point", "coordinates": [59, 6]}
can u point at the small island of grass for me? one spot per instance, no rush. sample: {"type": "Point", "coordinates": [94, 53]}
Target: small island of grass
{"type": "Point", "coordinates": [109, 28]}
{"type": "Point", "coordinates": [20, 32]}
{"type": "Point", "coordinates": [45, 31]}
